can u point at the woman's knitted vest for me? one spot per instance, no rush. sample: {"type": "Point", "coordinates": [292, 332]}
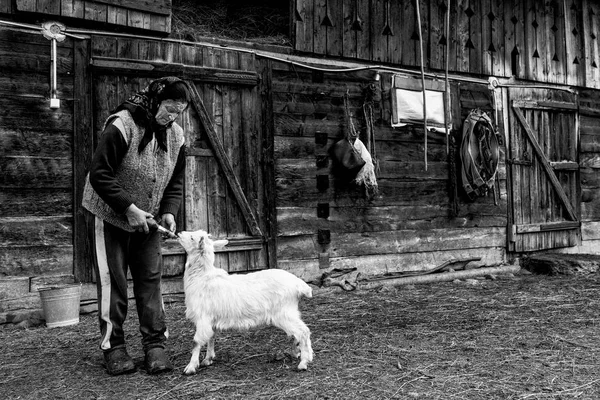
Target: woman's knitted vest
{"type": "Point", "coordinates": [144, 176]}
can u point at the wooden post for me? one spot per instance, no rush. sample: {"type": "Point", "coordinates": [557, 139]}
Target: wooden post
{"type": "Point", "coordinates": [83, 149]}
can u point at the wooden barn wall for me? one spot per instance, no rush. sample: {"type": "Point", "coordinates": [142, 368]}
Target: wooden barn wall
{"type": "Point", "coordinates": [45, 152]}
{"type": "Point", "coordinates": [410, 225]}
{"type": "Point", "coordinates": [36, 171]}
{"type": "Point", "coordinates": [153, 15]}
{"type": "Point", "coordinates": [552, 41]}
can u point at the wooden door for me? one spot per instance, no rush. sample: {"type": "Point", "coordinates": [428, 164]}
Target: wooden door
{"type": "Point", "coordinates": [543, 169]}
{"type": "Point", "coordinates": [225, 188]}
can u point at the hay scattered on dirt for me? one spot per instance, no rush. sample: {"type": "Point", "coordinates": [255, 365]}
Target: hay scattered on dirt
{"type": "Point", "coordinates": [254, 21]}
{"type": "Point", "coordinates": [531, 337]}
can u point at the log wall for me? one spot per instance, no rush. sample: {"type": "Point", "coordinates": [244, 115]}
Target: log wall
{"type": "Point", "coordinates": [589, 161]}
{"type": "Point", "coordinates": [36, 169]}
{"type": "Point", "coordinates": [411, 225]}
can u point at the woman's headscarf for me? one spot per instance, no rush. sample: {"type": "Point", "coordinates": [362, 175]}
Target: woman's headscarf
{"type": "Point", "coordinates": [143, 106]}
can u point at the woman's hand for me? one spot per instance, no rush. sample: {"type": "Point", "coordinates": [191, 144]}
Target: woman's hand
{"type": "Point", "coordinates": [137, 218]}
{"type": "Point", "coordinates": [168, 221]}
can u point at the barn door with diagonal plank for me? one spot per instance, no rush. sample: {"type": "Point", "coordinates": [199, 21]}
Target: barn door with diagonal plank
{"type": "Point", "coordinates": [225, 186]}
{"type": "Point", "coordinates": [543, 170]}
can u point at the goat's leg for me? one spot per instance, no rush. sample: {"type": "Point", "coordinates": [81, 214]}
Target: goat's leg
{"type": "Point", "coordinates": [295, 327]}
{"type": "Point", "coordinates": [295, 349]}
{"type": "Point", "coordinates": [203, 335]}
{"type": "Point", "coordinates": [306, 351]}
{"type": "Point", "coordinates": [210, 352]}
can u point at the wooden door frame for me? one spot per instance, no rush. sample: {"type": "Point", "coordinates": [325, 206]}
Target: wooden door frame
{"type": "Point", "coordinates": [86, 65]}
{"type": "Point", "coordinates": [549, 168]}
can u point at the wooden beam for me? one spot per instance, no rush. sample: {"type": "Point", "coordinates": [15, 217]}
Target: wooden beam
{"type": "Point", "coordinates": [155, 68]}
{"type": "Point", "coordinates": [163, 7]}
{"type": "Point", "coordinates": [565, 166]}
{"type": "Point", "coordinates": [83, 137]}
{"type": "Point", "coordinates": [223, 160]}
{"type": "Point", "coordinates": [546, 105]}
{"type": "Point", "coordinates": [549, 226]}
{"type": "Point", "coordinates": [545, 164]}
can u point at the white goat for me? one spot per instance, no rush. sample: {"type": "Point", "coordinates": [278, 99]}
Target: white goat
{"type": "Point", "coordinates": [215, 300]}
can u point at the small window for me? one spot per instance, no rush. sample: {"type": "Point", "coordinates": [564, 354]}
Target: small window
{"type": "Point", "coordinates": [407, 103]}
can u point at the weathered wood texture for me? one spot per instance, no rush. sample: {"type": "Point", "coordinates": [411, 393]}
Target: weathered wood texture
{"type": "Point", "coordinates": [412, 213]}
{"type": "Point", "coordinates": [547, 41]}
{"type": "Point", "coordinates": [543, 130]}
{"type": "Point", "coordinates": [152, 15]}
{"type": "Point", "coordinates": [590, 161]}
{"type": "Point", "coordinates": [36, 169]}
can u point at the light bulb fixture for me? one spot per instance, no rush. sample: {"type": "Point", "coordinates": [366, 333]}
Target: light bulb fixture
{"type": "Point", "coordinates": [53, 31]}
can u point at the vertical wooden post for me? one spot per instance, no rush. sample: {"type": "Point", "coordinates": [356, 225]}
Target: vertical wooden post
{"type": "Point", "coordinates": [265, 68]}
{"type": "Point", "coordinates": [83, 149]}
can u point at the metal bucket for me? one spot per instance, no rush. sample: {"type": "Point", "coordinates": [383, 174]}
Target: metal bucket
{"type": "Point", "coordinates": [61, 305]}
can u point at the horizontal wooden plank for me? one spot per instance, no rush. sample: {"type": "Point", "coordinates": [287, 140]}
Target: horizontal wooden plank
{"type": "Point", "coordinates": [392, 242]}
{"type": "Point", "coordinates": [303, 192]}
{"type": "Point", "coordinates": [156, 68]}
{"type": "Point", "coordinates": [548, 226]}
{"type": "Point", "coordinates": [590, 178]}
{"type": "Point", "coordinates": [11, 287]}
{"type": "Point", "coordinates": [36, 260]}
{"type": "Point", "coordinates": [590, 144]}
{"type": "Point", "coordinates": [564, 165]}
{"type": "Point", "coordinates": [378, 265]}
{"type": "Point", "coordinates": [198, 152]}
{"type": "Point", "coordinates": [292, 221]}
{"type": "Point", "coordinates": [589, 160]}
{"type": "Point", "coordinates": [415, 83]}
{"type": "Point", "coordinates": [309, 90]}
{"type": "Point", "coordinates": [152, 6]}
{"type": "Point", "coordinates": [590, 230]}
{"type": "Point", "coordinates": [172, 246]}
{"type": "Point", "coordinates": [546, 105]}
{"type": "Point", "coordinates": [21, 231]}
{"type": "Point", "coordinates": [590, 210]}
{"type": "Point", "coordinates": [36, 172]}
{"type": "Point", "coordinates": [35, 201]}
{"type": "Point", "coordinates": [15, 141]}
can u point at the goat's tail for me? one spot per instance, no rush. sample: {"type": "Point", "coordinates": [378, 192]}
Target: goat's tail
{"type": "Point", "coordinates": [304, 289]}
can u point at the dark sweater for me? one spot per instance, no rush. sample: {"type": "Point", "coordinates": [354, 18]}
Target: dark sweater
{"type": "Point", "coordinates": [119, 176]}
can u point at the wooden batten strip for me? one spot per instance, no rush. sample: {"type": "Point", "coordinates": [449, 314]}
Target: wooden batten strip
{"type": "Point", "coordinates": [546, 105]}
{"type": "Point", "coordinates": [550, 226]}
{"type": "Point", "coordinates": [154, 68]}
{"type": "Point", "coordinates": [565, 165]}
{"type": "Point", "coordinates": [155, 6]}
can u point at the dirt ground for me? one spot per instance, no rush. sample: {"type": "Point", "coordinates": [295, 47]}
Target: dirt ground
{"type": "Point", "coordinates": [526, 337]}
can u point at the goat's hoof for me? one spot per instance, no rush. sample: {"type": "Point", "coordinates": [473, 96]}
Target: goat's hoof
{"type": "Point", "coordinates": [189, 370]}
{"type": "Point", "coordinates": [206, 363]}
{"type": "Point", "coordinates": [302, 366]}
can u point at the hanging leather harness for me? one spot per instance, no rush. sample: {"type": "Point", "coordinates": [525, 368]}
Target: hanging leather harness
{"type": "Point", "coordinates": [479, 153]}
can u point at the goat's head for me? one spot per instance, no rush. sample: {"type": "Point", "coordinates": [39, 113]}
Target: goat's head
{"type": "Point", "coordinates": [199, 242]}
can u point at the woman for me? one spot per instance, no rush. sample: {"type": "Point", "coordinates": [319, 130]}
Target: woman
{"type": "Point", "coordinates": [136, 177]}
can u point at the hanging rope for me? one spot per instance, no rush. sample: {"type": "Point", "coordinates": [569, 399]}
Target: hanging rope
{"type": "Point", "coordinates": [447, 79]}
{"type": "Point", "coordinates": [422, 77]}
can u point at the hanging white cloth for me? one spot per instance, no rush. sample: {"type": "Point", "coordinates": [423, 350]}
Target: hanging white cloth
{"type": "Point", "coordinates": [366, 176]}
